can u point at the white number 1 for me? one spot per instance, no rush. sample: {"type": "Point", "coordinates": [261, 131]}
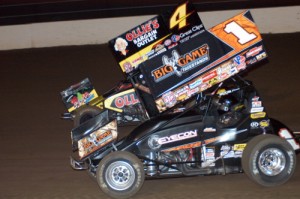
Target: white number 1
{"type": "Point", "coordinates": [242, 35]}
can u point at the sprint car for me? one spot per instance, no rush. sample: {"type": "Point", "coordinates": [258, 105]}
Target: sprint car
{"type": "Point", "coordinates": [197, 115]}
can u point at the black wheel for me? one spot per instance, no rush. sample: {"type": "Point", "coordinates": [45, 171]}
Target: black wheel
{"type": "Point", "coordinates": [85, 113]}
{"type": "Point", "coordinates": [120, 174]}
{"type": "Point", "coordinates": [269, 160]}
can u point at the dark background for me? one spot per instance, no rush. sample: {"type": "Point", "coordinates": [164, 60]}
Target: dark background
{"type": "Point", "coordinates": [31, 11]}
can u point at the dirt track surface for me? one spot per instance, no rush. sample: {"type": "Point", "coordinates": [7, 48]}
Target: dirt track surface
{"type": "Point", "coordinates": [35, 143]}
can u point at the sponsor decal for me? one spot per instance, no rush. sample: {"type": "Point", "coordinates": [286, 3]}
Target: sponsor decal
{"type": "Point", "coordinates": [172, 46]}
{"type": "Point", "coordinates": [254, 51]}
{"type": "Point", "coordinates": [226, 154]}
{"type": "Point", "coordinates": [157, 53]}
{"type": "Point", "coordinates": [256, 110]}
{"type": "Point", "coordinates": [177, 137]}
{"type": "Point", "coordinates": [121, 46]}
{"type": "Point", "coordinates": [126, 100]}
{"type": "Point", "coordinates": [251, 61]}
{"type": "Point", "coordinates": [199, 55]}
{"type": "Point", "coordinates": [79, 94]}
{"type": "Point", "coordinates": [256, 104]}
{"type": "Point", "coordinates": [258, 115]}
{"type": "Point", "coordinates": [210, 152]}
{"type": "Point", "coordinates": [238, 154]}
{"type": "Point", "coordinates": [235, 152]}
{"type": "Point", "coordinates": [168, 68]}
{"type": "Point", "coordinates": [264, 123]}
{"type": "Point", "coordinates": [153, 142]}
{"type": "Point", "coordinates": [197, 33]}
{"type": "Point", "coordinates": [128, 67]}
{"type": "Point", "coordinates": [223, 92]}
{"type": "Point", "coordinates": [144, 34]}
{"type": "Point", "coordinates": [226, 151]}
{"type": "Point", "coordinates": [239, 147]}
{"type": "Point", "coordinates": [261, 56]}
{"type": "Point", "coordinates": [168, 42]}
{"type": "Point", "coordinates": [150, 53]}
{"type": "Point", "coordinates": [182, 93]}
{"type": "Point", "coordinates": [193, 91]}
{"type": "Point", "coordinates": [175, 38]}
{"type": "Point", "coordinates": [192, 145]}
{"type": "Point", "coordinates": [222, 138]}
{"type": "Point", "coordinates": [82, 98]}
{"type": "Point", "coordinates": [118, 101]}
{"type": "Point", "coordinates": [209, 130]}
{"type": "Point", "coordinates": [184, 40]}
{"type": "Point", "coordinates": [181, 64]}
{"type": "Point", "coordinates": [197, 28]}
{"type": "Point", "coordinates": [97, 139]}
{"type": "Point", "coordinates": [185, 34]}
{"type": "Point", "coordinates": [159, 47]}
{"type": "Point", "coordinates": [169, 99]}
{"type": "Point", "coordinates": [145, 39]}
{"type": "Point", "coordinates": [254, 125]}
{"type": "Point", "coordinates": [225, 148]}
{"type": "Point", "coordinates": [208, 155]}
{"type": "Point", "coordinates": [204, 86]}
{"type": "Point", "coordinates": [213, 81]}
{"type": "Point", "coordinates": [195, 84]}
{"type": "Point", "coordinates": [209, 76]}
{"type": "Point", "coordinates": [224, 76]}
{"type": "Point", "coordinates": [240, 62]}
{"type": "Point", "coordinates": [227, 69]}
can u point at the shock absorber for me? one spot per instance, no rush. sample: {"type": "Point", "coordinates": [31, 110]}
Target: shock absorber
{"type": "Point", "coordinates": [151, 168]}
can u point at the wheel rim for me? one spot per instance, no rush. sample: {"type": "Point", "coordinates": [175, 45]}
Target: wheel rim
{"type": "Point", "coordinates": [120, 175]}
{"type": "Point", "coordinates": [272, 161]}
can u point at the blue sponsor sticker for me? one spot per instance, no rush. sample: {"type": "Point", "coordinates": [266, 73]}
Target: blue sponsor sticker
{"type": "Point", "coordinates": [175, 38]}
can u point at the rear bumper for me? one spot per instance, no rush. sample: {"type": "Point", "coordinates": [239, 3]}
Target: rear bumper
{"type": "Point", "coordinates": [78, 165]}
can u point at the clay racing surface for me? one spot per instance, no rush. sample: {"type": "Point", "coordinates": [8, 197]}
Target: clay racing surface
{"type": "Point", "coordinates": [35, 143]}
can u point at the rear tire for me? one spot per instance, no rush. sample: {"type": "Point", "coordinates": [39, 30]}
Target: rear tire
{"type": "Point", "coordinates": [269, 160]}
{"type": "Point", "coordinates": [120, 174]}
{"type": "Point", "coordinates": [85, 113]}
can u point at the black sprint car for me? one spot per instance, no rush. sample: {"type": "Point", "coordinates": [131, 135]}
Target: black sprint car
{"type": "Point", "coordinates": [219, 132]}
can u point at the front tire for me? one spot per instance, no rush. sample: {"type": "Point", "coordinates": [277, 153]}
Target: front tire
{"type": "Point", "coordinates": [120, 174]}
{"type": "Point", "coordinates": [269, 160]}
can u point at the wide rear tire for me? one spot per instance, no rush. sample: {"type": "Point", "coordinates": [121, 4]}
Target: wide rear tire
{"type": "Point", "coordinates": [269, 160]}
